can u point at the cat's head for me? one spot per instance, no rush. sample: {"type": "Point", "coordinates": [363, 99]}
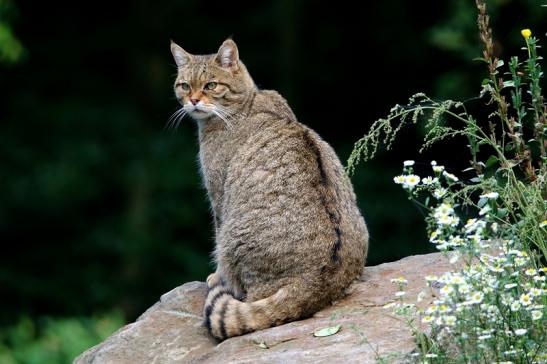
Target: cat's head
{"type": "Point", "coordinates": [212, 85]}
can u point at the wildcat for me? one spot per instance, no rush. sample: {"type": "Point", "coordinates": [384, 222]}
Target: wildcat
{"type": "Point", "coordinates": [289, 236]}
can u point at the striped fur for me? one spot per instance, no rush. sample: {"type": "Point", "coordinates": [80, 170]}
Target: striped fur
{"type": "Point", "coordinates": [289, 238]}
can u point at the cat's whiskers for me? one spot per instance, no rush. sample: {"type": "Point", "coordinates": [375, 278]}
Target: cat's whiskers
{"type": "Point", "coordinates": [224, 113]}
{"type": "Point", "coordinates": [223, 117]}
{"type": "Point", "coordinates": [174, 120]}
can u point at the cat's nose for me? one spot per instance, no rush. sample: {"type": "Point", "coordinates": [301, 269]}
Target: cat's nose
{"type": "Point", "coordinates": [194, 101]}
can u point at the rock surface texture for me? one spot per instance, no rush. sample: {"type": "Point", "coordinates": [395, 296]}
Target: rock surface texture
{"type": "Point", "coordinates": [171, 331]}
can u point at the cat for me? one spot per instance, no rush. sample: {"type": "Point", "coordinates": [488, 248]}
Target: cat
{"type": "Point", "coordinates": [288, 233]}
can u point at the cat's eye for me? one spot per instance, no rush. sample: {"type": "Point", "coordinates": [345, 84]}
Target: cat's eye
{"type": "Point", "coordinates": [210, 85]}
{"type": "Point", "coordinates": [185, 86]}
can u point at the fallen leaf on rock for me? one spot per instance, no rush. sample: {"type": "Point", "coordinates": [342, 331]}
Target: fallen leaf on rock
{"type": "Point", "coordinates": [327, 331]}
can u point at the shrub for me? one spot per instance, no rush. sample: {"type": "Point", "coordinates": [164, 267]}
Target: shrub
{"type": "Point", "coordinates": [492, 309]}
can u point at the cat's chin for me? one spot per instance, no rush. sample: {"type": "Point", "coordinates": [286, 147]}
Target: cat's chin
{"type": "Point", "coordinates": [200, 115]}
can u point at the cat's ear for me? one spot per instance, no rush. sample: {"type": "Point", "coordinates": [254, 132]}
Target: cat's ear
{"type": "Point", "coordinates": [228, 56]}
{"type": "Point", "coordinates": [181, 56]}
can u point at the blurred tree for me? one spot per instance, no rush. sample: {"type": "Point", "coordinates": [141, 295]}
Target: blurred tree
{"type": "Point", "coordinates": [11, 49]}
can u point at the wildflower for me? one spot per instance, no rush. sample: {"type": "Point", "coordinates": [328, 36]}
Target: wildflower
{"type": "Point", "coordinates": [429, 180]}
{"type": "Point", "coordinates": [515, 306]}
{"type": "Point", "coordinates": [510, 285]}
{"type": "Point", "coordinates": [399, 180]}
{"type": "Point", "coordinates": [536, 315]}
{"type": "Point", "coordinates": [539, 279]}
{"type": "Point", "coordinates": [433, 163]}
{"type": "Point", "coordinates": [408, 163]}
{"type": "Point", "coordinates": [463, 289]}
{"type": "Point", "coordinates": [535, 292]}
{"type": "Point", "coordinates": [410, 181]}
{"type": "Point", "coordinates": [456, 241]}
{"type": "Point", "coordinates": [490, 196]}
{"type": "Point", "coordinates": [525, 299]}
{"type": "Point", "coordinates": [530, 272]}
{"type": "Point", "coordinates": [446, 289]}
{"type": "Point", "coordinates": [450, 176]}
{"type": "Point", "coordinates": [543, 223]}
{"type": "Point", "coordinates": [401, 280]}
{"type": "Point", "coordinates": [438, 169]}
{"type": "Point", "coordinates": [439, 193]}
{"type": "Point", "coordinates": [495, 227]}
{"type": "Point", "coordinates": [444, 309]}
{"type": "Point", "coordinates": [495, 268]}
{"type": "Point", "coordinates": [520, 332]}
{"type": "Point", "coordinates": [448, 220]}
{"type": "Point", "coordinates": [476, 297]}
{"type": "Point", "coordinates": [400, 293]}
{"type": "Point", "coordinates": [427, 319]}
{"type": "Point", "coordinates": [457, 279]}
{"type": "Point", "coordinates": [444, 209]}
{"type": "Point", "coordinates": [433, 236]}
{"type": "Point", "coordinates": [526, 33]}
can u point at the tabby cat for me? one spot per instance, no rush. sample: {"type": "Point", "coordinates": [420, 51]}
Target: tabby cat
{"type": "Point", "coordinates": [289, 236]}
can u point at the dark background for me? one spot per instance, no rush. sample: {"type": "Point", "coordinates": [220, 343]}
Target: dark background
{"type": "Point", "coordinates": [102, 211]}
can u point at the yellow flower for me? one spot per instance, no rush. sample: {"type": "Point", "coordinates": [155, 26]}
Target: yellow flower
{"type": "Point", "coordinates": [526, 33]}
{"type": "Point", "coordinates": [543, 223]}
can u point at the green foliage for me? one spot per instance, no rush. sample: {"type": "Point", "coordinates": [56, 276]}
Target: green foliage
{"type": "Point", "coordinates": [11, 49]}
{"type": "Point", "coordinates": [514, 165]}
{"type": "Point", "coordinates": [55, 341]}
{"type": "Point", "coordinates": [494, 308]}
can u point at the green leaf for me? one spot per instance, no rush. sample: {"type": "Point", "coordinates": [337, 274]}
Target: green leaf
{"type": "Point", "coordinates": [501, 213]}
{"type": "Point", "coordinates": [327, 331]}
{"type": "Point", "coordinates": [491, 161]}
{"type": "Point", "coordinates": [500, 63]}
{"type": "Point", "coordinates": [508, 84]}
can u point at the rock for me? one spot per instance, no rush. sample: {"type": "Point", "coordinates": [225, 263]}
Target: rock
{"type": "Point", "coordinates": [171, 331]}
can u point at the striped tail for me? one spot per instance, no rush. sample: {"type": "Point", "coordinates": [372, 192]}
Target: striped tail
{"type": "Point", "coordinates": [226, 316]}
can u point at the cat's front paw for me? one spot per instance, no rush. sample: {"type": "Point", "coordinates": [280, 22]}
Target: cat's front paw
{"type": "Point", "coordinates": [213, 280]}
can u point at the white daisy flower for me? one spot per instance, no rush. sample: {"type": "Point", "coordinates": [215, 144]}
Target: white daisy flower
{"type": "Point", "coordinates": [408, 163]}
{"type": "Point", "coordinates": [411, 180]}
{"type": "Point", "coordinates": [429, 180]}
{"type": "Point", "coordinates": [515, 306]}
{"type": "Point", "coordinates": [476, 297]}
{"type": "Point", "coordinates": [525, 299]}
{"type": "Point", "coordinates": [450, 176]}
{"type": "Point", "coordinates": [490, 195]}
{"type": "Point", "coordinates": [439, 193]}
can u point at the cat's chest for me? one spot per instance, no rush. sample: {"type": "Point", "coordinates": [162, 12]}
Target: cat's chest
{"type": "Point", "coordinates": [216, 151]}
